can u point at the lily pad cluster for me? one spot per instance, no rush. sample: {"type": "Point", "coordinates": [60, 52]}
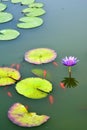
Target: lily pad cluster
{"type": "Point", "coordinates": [6, 34]}
{"type": "Point", "coordinates": [31, 19]}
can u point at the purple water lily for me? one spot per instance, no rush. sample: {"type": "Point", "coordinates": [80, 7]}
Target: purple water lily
{"type": "Point", "coordinates": [69, 61]}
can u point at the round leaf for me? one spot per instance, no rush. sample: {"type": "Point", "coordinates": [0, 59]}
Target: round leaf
{"type": "Point", "coordinates": [27, 2]}
{"type": "Point", "coordinates": [34, 88]}
{"type": "Point", "coordinates": [19, 115]}
{"type": "Point", "coordinates": [40, 55]}
{"type": "Point", "coordinates": [8, 76]}
{"type": "Point", "coordinates": [36, 5]}
{"type": "Point", "coordinates": [2, 6]}
{"type": "Point", "coordinates": [34, 11]}
{"type": "Point", "coordinates": [30, 22]}
{"type": "Point", "coordinates": [8, 34]}
{"type": "Point", "coordinates": [5, 17]}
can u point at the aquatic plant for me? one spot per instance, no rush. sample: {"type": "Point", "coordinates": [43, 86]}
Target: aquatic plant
{"type": "Point", "coordinates": [20, 116]}
{"type": "Point", "coordinates": [2, 6]}
{"type": "Point", "coordinates": [8, 34]}
{"type": "Point", "coordinates": [69, 62]}
{"type": "Point", "coordinates": [30, 22]}
{"type": "Point", "coordinates": [40, 55]}
{"type": "Point", "coordinates": [34, 88]}
{"type": "Point", "coordinates": [36, 5]}
{"type": "Point", "coordinates": [8, 76]}
{"type": "Point", "coordinates": [5, 17]}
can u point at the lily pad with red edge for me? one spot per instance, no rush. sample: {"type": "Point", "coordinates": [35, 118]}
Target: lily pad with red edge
{"type": "Point", "coordinates": [19, 115]}
{"type": "Point", "coordinates": [8, 76]}
{"type": "Point", "coordinates": [40, 55]}
{"type": "Point", "coordinates": [34, 88]}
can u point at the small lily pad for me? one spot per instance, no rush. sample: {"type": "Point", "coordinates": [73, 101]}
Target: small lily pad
{"type": "Point", "coordinates": [34, 88]}
{"type": "Point", "coordinates": [5, 17]}
{"type": "Point", "coordinates": [2, 6]}
{"type": "Point", "coordinates": [30, 22]}
{"type": "Point", "coordinates": [19, 115]}
{"type": "Point", "coordinates": [15, 1]}
{"type": "Point", "coordinates": [40, 55]}
{"type": "Point", "coordinates": [8, 76]}
{"type": "Point", "coordinates": [36, 5]}
{"type": "Point", "coordinates": [34, 11]}
{"type": "Point", "coordinates": [27, 2]}
{"type": "Point", "coordinates": [8, 34]}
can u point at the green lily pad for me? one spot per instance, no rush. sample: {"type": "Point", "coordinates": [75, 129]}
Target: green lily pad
{"type": "Point", "coordinates": [8, 76]}
{"type": "Point", "coordinates": [8, 34]}
{"type": "Point", "coordinates": [40, 55]}
{"type": "Point", "coordinates": [34, 88]}
{"type": "Point", "coordinates": [30, 22]}
{"type": "Point", "coordinates": [19, 115]}
{"type": "Point", "coordinates": [15, 1]}
{"type": "Point", "coordinates": [36, 5]}
{"type": "Point", "coordinates": [2, 6]}
{"type": "Point", "coordinates": [5, 17]}
{"type": "Point", "coordinates": [27, 2]}
{"type": "Point", "coordinates": [34, 11]}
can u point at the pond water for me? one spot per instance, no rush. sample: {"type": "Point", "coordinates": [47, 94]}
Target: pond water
{"type": "Point", "coordinates": [65, 31]}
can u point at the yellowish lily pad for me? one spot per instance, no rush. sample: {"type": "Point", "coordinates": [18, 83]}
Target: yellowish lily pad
{"type": "Point", "coordinates": [20, 116]}
{"type": "Point", "coordinates": [34, 88]}
{"type": "Point", "coordinates": [8, 76]}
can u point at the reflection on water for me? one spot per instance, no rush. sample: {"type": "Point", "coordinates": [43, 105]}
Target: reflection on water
{"type": "Point", "coordinates": [70, 82]}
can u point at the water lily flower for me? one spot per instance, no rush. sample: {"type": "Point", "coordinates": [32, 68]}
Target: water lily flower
{"type": "Point", "coordinates": [69, 61]}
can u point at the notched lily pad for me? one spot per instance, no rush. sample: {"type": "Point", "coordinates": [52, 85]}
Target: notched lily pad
{"type": "Point", "coordinates": [8, 34]}
{"type": "Point", "coordinates": [30, 22]}
{"type": "Point", "coordinates": [2, 6]}
{"type": "Point", "coordinates": [15, 1]}
{"type": "Point", "coordinates": [36, 5]}
{"type": "Point", "coordinates": [40, 55]}
{"type": "Point", "coordinates": [27, 2]}
{"type": "Point", "coordinates": [34, 11]}
{"type": "Point", "coordinates": [5, 17]}
{"type": "Point", "coordinates": [8, 76]}
{"type": "Point", "coordinates": [34, 88]}
{"type": "Point", "coordinates": [19, 115]}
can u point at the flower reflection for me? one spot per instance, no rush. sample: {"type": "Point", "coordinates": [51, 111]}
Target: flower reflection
{"type": "Point", "coordinates": [70, 82]}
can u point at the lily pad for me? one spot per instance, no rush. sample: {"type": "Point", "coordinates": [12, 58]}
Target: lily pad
{"type": "Point", "coordinates": [36, 5]}
{"type": "Point", "coordinates": [40, 55]}
{"type": "Point", "coordinates": [27, 2]}
{"type": "Point", "coordinates": [2, 6]}
{"type": "Point", "coordinates": [34, 11]}
{"type": "Point", "coordinates": [19, 115]}
{"type": "Point", "coordinates": [34, 88]}
{"type": "Point", "coordinates": [5, 17]}
{"type": "Point", "coordinates": [30, 22]}
{"type": "Point", "coordinates": [8, 34]}
{"type": "Point", "coordinates": [8, 76]}
{"type": "Point", "coordinates": [15, 1]}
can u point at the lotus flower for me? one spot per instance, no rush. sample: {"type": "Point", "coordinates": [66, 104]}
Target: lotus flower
{"type": "Point", "coordinates": [69, 61]}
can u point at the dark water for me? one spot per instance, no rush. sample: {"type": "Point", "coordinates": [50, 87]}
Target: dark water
{"type": "Point", "coordinates": [65, 31]}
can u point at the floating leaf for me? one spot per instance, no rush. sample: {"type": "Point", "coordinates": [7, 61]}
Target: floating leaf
{"type": "Point", "coordinates": [40, 55]}
{"type": "Point", "coordinates": [2, 6]}
{"type": "Point", "coordinates": [5, 17]}
{"type": "Point", "coordinates": [34, 88]}
{"type": "Point", "coordinates": [8, 34]}
{"type": "Point", "coordinates": [19, 115]}
{"type": "Point", "coordinates": [30, 22]}
{"type": "Point", "coordinates": [36, 5]}
{"type": "Point", "coordinates": [34, 11]}
{"type": "Point", "coordinates": [27, 2]}
{"type": "Point", "coordinates": [8, 76]}
{"type": "Point", "coordinates": [15, 1]}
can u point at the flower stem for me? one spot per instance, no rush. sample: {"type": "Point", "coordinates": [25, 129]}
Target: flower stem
{"type": "Point", "coordinates": [69, 70]}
